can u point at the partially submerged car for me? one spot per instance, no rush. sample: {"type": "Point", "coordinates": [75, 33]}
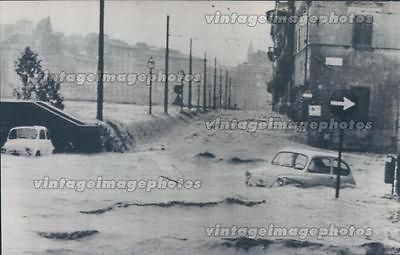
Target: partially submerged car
{"type": "Point", "coordinates": [28, 140]}
{"type": "Point", "coordinates": [303, 168]}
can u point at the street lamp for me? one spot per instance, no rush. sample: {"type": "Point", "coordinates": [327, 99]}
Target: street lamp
{"type": "Point", "coordinates": [150, 64]}
{"type": "Point", "coordinates": [181, 74]}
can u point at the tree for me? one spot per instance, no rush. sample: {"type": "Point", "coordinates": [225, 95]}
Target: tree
{"type": "Point", "coordinates": [36, 83]}
{"type": "Point", "coordinates": [47, 89]}
{"type": "Point", "coordinates": [28, 67]}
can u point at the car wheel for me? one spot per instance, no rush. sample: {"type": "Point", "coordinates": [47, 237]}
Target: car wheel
{"type": "Point", "coordinates": [38, 154]}
{"type": "Point", "coordinates": [280, 182]}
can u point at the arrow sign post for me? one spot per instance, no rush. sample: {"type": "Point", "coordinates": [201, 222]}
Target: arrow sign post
{"type": "Point", "coordinates": [346, 103]}
{"type": "Point", "coordinates": [342, 104]}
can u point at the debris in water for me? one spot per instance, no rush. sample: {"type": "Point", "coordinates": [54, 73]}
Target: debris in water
{"type": "Point", "coordinates": [205, 155]}
{"type": "Point", "coordinates": [67, 235]}
{"type": "Point", "coordinates": [237, 160]}
{"type": "Point", "coordinates": [229, 201]}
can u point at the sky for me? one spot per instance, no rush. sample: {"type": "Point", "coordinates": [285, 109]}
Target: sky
{"type": "Point", "coordinates": [145, 21]}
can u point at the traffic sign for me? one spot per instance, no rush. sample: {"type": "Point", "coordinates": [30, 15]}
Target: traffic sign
{"type": "Point", "coordinates": [343, 103]}
{"type": "Point", "coordinates": [314, 110]}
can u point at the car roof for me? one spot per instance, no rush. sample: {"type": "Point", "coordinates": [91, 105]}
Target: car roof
{"type": "Point", "coordinates": [311, 152]}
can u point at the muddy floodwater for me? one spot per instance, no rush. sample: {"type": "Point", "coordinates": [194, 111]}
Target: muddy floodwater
{"type": "Point", "coordinates": [83, 219]}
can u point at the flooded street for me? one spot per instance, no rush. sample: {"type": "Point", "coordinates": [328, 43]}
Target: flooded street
{"type": "Point", "coordinates": [88, 220]}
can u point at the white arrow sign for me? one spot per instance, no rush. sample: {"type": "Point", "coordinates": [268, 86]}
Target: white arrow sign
{"type": "Point", "coordinates": [346, 103]}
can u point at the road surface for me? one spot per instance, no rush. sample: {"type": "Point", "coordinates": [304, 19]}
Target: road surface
{"type": "Point", "coordinates": [183, 220]}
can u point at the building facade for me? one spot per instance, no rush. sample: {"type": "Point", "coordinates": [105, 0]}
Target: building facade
{"type": "Point", "coordinates": [352, 45]}
{"type": "Point", "coordinates": [249, 81]}
{"type": "Point", "coordinates": [73, 57]}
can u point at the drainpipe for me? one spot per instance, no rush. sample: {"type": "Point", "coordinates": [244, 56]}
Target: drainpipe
{"type": "Point", "coordinates": [306, 41]}
{"type": "Point", "coordinates": [398, 123]}
{"type": "Point", "coordinates": [306, 46]}
{"type": "Point", "coordinates": [291, 29]}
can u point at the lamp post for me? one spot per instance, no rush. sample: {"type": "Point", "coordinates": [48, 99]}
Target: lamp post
{"type": "Point", "coordinates": [181, 74]}
{"type": "Point", "coordinates": [150, 64]}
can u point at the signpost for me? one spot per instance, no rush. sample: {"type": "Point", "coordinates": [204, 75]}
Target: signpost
{"type": "Point", "coordinates": [151, 67]}
{"type": "Point", "coordinates": [342, 104]}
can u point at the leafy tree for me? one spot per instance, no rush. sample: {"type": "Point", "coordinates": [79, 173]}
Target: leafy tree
{"type": "Point", "coordinates": [47, 90]}
{"type": "Point", "coordinates": [36, 84]}
{"type": "Point", "coordinates": [28, 67]}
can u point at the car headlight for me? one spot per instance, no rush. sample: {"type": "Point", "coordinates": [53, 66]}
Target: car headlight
{"type": "Point", "coordinates": [281, 181]}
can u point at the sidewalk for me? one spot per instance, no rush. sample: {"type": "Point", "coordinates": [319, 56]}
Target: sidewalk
{"type": "Point", "coordinates": [126, 125]}
{"type": "Point", "coordinates": [125, 113]}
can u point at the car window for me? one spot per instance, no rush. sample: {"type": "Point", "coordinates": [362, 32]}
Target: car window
{"type": "Point", "coordinates": [284, 159]}
{"type": "Point", "coordinates": [320, 165]}
{"type": "Point", "coordinates": [48, 135]}
{"type": "Point", "coordinates": [300, 162]}
{"type": "Point", "coordinates": [13, 134]}
{"type": "Point", "coordinates": [290, 159]}
{"type": "Point", "coordinates": [42, 135]}
{"type": "Point", "coordinates": [344, 168]}
{"type": "Point", "coordinates": [23, 133]}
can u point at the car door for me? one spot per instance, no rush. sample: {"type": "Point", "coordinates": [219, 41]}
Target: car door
{"type": "Point", "coordinates": [42, 142]}
{"type": "Point", "coordinates": [49, 144]}
{"type": "Point", "coordinates": [346, 177]}
{"type": "Point", "coordinates": [319, 172]}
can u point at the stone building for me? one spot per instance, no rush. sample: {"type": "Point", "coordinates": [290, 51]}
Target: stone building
{"type": "Point", "coordinates": [76, 55]}
{"type": "Point", "coordinates": [353, 45]}
{"type": "Point", "coordinates": [249, 81]}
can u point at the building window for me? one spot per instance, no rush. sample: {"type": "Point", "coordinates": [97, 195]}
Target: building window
{"type": "Point", "coordinates": [362, 31]}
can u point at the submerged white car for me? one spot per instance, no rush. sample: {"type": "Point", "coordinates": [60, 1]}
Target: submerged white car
{"type": "Point", "coordinates": [29, 140]}
{"type": "Point", "coordinates": [303, 168]}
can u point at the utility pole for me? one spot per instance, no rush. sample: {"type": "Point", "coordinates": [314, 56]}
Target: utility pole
{"type": "Point", "coordinates": [220, 89]}
{"type": "Point", "coordinates": [230, 91]}
{"type": "Point", "coordinates": [198, 95]}
{"type": "Point", "coordinates": [166, 69]}
{"type": "Point", "coordinates": [215, 84]}
{"type": "Point", "coordinates": [190, 75]}
{"type": "Point", "coordinates": [226, 90]}
{"type": "Point", "coordinates": [234, 97]}
{"type": "Point", "coordinates": [182, 75]}
{"type": "Point", "coordinates": [100, 67]}
{"type": "Point", "coordinates": [205, 83]}
{"type": "Point", "coordinates": [209, 98]}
